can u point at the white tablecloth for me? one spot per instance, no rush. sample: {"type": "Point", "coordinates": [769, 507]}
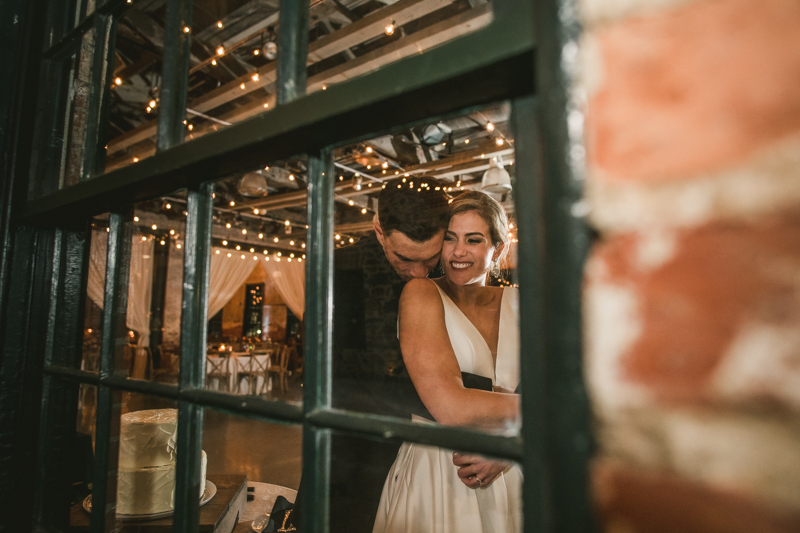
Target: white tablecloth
{"type": "Point", "coordinates": [239, 362]}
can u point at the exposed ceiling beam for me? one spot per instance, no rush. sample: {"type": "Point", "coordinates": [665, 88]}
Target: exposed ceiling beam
{"type": "Point", "coordinates": [327, 46]}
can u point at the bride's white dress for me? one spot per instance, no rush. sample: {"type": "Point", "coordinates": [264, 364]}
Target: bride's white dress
{"type": "Point", "coordinates": [423, 492]}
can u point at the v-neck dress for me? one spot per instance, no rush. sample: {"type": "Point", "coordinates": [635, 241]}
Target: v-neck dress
{"type": "Point", "coordinates": [423, 492]}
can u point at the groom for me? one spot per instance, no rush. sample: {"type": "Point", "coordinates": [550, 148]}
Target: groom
{"type": "Point", "coordinates": [368, 370]}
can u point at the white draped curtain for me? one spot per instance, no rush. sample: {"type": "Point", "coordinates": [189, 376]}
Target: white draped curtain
{"type": "Point", "coordinates": [290, 281]}
{"type": "Point", "coordinates": [140, 282]}
{"type": "Point", "coordinates": [227, 275]}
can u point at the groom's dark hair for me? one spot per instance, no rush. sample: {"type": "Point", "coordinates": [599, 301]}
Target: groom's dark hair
{"type": "Point", "coordinates": [414, 206]}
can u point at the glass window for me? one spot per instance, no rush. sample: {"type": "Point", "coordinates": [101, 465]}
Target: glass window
{"type": "Point", "coordinates": [401, 181]}
{"type": "Point", "coordinates": [257, 282]}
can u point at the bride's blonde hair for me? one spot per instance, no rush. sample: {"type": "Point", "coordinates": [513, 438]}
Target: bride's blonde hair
{"type": "Point", "coordinates": [491, 212]}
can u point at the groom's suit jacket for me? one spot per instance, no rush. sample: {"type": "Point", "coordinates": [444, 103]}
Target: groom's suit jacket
{"type": "Point", "coordinates": [368, 376]}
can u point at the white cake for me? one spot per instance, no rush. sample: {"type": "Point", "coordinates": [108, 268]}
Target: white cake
{"type": "Point", "coordinates": [146, 476]}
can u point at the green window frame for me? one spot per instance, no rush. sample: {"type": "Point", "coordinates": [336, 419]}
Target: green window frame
{"type": "Point", "coordinates": [526, 55]}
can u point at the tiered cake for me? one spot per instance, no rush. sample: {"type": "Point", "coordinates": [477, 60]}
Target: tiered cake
{"type": "Point", "coordinates": [146, 478]}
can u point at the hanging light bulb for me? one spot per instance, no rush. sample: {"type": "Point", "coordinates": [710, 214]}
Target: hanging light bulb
{"type": "Point", "coordinates": [489, 126]}
{"type": "Point", "coordinates": [357, 185]}
{"type": "Point", "coordinates": [118, 81]}
{"type": "Point", "coordinates": [496, 179]}
{"type": "Point", "coordinates": [220, 51]}
{"type": "Point", "coordinates": [389, 29]}
{"type": "Point", "coordinates": [219, 24]}
{"type": "Point", "coordinates": [254, 77]}
{"type": "Point", "coordinates": [270, 50]}
{"type": "Point", "coordinates": [214, 62]}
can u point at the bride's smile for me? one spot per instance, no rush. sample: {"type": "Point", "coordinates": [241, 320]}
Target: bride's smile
{"type": "Point", "coordinates": [468, 251]}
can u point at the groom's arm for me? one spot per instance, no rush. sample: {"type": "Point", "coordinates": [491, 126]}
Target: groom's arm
{"type": "Point", "coordinates": [472, 468]}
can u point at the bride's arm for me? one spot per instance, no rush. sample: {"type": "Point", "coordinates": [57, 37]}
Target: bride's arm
{"type": "Point", "coordinates": [433, 367]}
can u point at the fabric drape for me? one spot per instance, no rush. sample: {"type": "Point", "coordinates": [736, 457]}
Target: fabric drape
{"type": "Point", "coordinates": [227, 275]}
{"type": "Point", "coordinates": [140, 282]}
{"type": "Point", "coordinates": [290, 281]}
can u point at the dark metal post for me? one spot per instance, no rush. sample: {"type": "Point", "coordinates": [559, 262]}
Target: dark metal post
{"type": "Point", "coordinates": [292, 50]}
{"type": "Point", "coordinates": [559, 167]}
{"type": "Point", "coordinates": [160, 265]}
{"type": "Point", "coordinates": [533, 370]}
{"type": "Point", "coordinates": [318, 343]}
{"type": "Point", "coordinates": [194, 318]}
{"type": "Point", "coordinates": [175, 75]}
{"type": "Point", "coordinates": [115, 301]}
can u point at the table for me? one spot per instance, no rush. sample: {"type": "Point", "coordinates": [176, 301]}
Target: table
{"type": "Point", "coordinates": [239, 362]}
{"type": "Point", "coordinates": [265, 496]}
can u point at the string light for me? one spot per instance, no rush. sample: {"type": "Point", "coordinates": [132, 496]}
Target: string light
{"type": "Point", "coordinates": [385, 164]}
{"type": "Point", "coordinates": [217, 252]}
{"type": "Point", "coordinates": [186, 29]}
{"type": "Point", "coordinates": [255, 211]}
{"type": "Point", "coordinates": [260, 235]}
{"type": "Point", "coordinates": [302, 245]}
{"type": "Point", "coordinates": [254, 77]}
{"type": "Point", "coordinates": [118, 81]}
{"type": "Point", "coordinates": [466, 142]}
{"type": "Point", "coordinates": [369, 149]}
{"type": "Point", "coordinates": [238, 247]}
{"type": "Point", "coordinates": [489, 126]}
{"type": "Point", "coordinates": [287, 223]}
{"type": "Point", "coordinates": [214, 62]}
{"type": "Point", "coordinates": [364, 211]}
{"type": "Point", "coordinates": [244, 232]}
{"type": "Point", "coordinates": [389, 29]}
{"type": "Point", "coordinates": [191, 127]}
{"type": "Point", "coordinates": [241, 86]}
{"type": "Point", "coordinates": [219, 24]}
{"type": "Point", "coordinates": [499, 141]}
{"type": "Point", "coordinates": [220, 51]}
{"type": "Point", "coordinates": [256, 51]}
{"type": "Point", "coordinates": [275, 239]}
{"type": "Point", "coordinates": [266, 106]}
{"type": "Point", "coordinates": [224, 243]}
{"type": "Point", "coordinates": [152, 103]}
{"type": "Point", "coordinates": [351, 202]}
{"type": "Point", "coordinates": [172, 232]}
{"type": "Point", "coordinates": [144, 239]}
{"type": "Point", "coordinates": [178, 246]}
{"type": "Point", "coordinates": [337, 237]}
{"type": "Point", "coordinates": [136, 219]}
{"type": "Point", "coordinates": [233, 203]}
{"type": "Point", "coordinates": [168, 206]}
{"type": "Point", "coordinates": [154, 227]}
{"type": "Point", "coordinates": [228, 225]}
{"type": "Point", "coordinates": [291, 177]}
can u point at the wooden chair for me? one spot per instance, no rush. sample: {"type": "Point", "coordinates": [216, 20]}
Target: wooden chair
{"type": "Point", "coordinates": [218, 367]}
{"type": "Point", "coordinates": [280, 365]}
{"type": "Point", "coordinates": [257, 366]}
{"type": "Point", "coordinates": [169, 368]}
{"type": "Point", "coordinates": [138, 361]}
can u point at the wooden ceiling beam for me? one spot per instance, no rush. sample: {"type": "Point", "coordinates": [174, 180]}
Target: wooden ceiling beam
{"type": "Point", "coordinates": [325, 47]}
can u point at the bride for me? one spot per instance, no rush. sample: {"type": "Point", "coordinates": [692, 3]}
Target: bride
{"type": "Point", "coordinates": [452, 327]}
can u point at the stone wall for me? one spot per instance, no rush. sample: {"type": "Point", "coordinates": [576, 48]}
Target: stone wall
{"type": "Point", "coordinates": [692, 294]}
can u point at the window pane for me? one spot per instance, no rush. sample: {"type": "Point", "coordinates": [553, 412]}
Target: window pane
{"type": "Point", "coordinates": [95, 290]}
{"type": "Point", "coordinates": [144, 437]}
{"type": "Point", "coordinates": [257, 282]}
{"type": "Point", "coordinates": [408, 177]}
{"type": "Point", "coordinates": [413, 487]}
{"type": "Point", "coordinates": [155, 289]}
{"type": "Point", "coordinates": [82, 473]}
{"type": "Point", "coordinates": [355, 38]}
{"type": "Point", "coordinates": [268, 454]}
{"type": "Point", "coordinates": [136, 85]}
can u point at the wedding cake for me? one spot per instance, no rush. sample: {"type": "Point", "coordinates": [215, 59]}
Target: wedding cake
{"type": "Point", "coordinates": [146, 474]}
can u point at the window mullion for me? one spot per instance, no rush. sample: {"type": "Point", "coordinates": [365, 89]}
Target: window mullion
{"type": "Point", "coordinates": [97, 104]}
{"type": "Point", "coordinates": [533, 371]}
{"type": "Point", "coordinates": [318, 342]}
{"type": "Point", "coordinates": [194, 318]}
{"type": "Point", "coordinates": [292, 50]}
{"type": "Point", "coordinates": [115, 300]}
{"type": "Point", "coordinates": [175, 73]}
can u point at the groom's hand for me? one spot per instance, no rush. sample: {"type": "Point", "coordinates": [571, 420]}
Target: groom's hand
{"type": "Point", "coordinates": [472, 468]}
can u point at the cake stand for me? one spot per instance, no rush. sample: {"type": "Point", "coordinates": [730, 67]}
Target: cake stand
{"type": "Point", "coordinates": [209, 493]}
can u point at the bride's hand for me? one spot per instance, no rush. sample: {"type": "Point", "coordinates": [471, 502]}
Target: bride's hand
{"type": "Point", "coordinates": [476, 471]}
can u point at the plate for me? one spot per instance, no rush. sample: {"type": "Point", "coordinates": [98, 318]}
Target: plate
{"type": "Point", "coordinates": [209, 493]}
{"type": "Point", "coordinates": [260, 522]}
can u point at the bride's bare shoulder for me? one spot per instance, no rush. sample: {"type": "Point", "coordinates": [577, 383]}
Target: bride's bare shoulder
{"type": "Point", "coordinates": [419, 290]}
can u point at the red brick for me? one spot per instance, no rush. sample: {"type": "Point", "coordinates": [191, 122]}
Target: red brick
{"type": "Point", "coordinates": [634, 501]}
{"type": "Point", "coordinates": [720, 277]}
{"type": "Point", "coordinates": [695, 88]}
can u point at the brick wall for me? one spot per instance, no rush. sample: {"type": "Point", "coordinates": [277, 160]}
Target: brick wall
{"type": "Point", "coordinates": [692, 298]}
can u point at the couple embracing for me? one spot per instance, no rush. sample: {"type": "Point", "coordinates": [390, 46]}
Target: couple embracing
{"type": "Point", "coordinates": [459, 343]}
